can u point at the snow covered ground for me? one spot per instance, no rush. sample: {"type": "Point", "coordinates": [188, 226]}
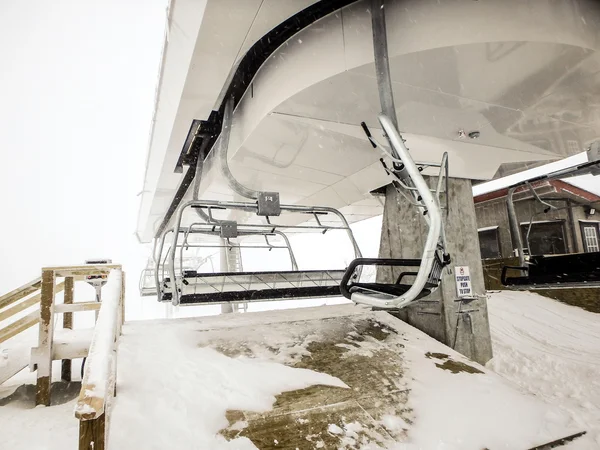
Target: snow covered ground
{"type": "Point", "coordinates": [552, 351]}
{"type": "Point", "coordinates": [548, 351]}
{"type": "Point", "coordinates": [198, 370]}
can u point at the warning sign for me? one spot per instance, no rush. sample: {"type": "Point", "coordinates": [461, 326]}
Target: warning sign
{"type": "Point", "coordinates": [463, 281]}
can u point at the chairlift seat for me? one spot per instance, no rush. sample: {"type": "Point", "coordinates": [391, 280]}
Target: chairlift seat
{"type": "Point", "coordinates": [394, 290]}
{"type": "Point", "coordinates": [556, 270]}
{"type": "Point", "coordinates": [350, 286]}
{"type": "Point", "coordinates": [225, 287]}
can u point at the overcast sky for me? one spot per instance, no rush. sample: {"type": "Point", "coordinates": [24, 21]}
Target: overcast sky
{"type": "Point", "coordinates": [77, 88]}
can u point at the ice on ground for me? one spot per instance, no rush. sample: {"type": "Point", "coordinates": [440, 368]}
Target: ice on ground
{"type": "Point", "coordinates": [334, 429]}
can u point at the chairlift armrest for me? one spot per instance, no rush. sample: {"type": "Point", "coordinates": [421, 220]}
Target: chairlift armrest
{"type": "Point", "coordinates": [345, 286]}
{"type": "Point", "coordinates": [404, 274]}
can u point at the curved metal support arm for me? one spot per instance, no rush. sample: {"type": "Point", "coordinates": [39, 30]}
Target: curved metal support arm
{"type": "Point", "coordinates": [514, 225]}
{"type": "Point", "coordinates": [224, 146]}
{"type": "Point", "coordinates": [289, 246]}
{"type": "Point", "coordinates": [538, 198]}
{"type": "Point", "coordinates": [160, 263]}
{"type": "Point", "coordinates": [433, 235]}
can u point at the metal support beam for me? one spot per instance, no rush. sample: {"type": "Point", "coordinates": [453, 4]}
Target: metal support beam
{"type": "Point", "coordinates": [576, 248]}
{"type": "Point", "coordinates": [224, 146]}
{"type": "Point", "coordinates": [382, 62]}
{"type": "Point", "coordinates": [384, 79]}
{"type": "Point", "coordinates": [515, 229]}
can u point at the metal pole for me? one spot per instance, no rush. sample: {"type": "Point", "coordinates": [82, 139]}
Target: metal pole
{"type": "Point", "coordinates": [575, 247]}
{"type": "Point", "coordinates": [515, 230]}
{"type": "Point", "coordinates": [384, 79]}
{"type": "Point", "coordinates": [382, 62]}
{"type": "Point", "coordinates": [224, 146]}
{"type": "Point", "coordinates": [224, 262]}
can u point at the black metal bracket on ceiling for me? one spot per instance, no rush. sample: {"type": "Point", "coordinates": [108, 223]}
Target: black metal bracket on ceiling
{"type": "Point", "coordinates": [201, 136]}
{"type": "Point", "coordinates": [208, 131]}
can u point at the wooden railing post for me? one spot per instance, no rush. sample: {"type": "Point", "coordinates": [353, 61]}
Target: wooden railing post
{"type": "Point", "coordinates": [122, 318]}
{"type": "Point", "coordinates": [99, 380]}
{"type": "Point", "coordinates": [44, 350]}
{"type": "Point", "coordinates": [68, 324]}
{"type": "Point", "coordinates": [92, 433]}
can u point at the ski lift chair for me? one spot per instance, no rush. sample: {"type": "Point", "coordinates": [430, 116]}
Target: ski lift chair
{"type": "Point", "coordinates": [189, 287]}
{"type": "Point", "coordinates": [555, 270]}
{"type": "Point", "coordinates": [543, 271]}
{"type": "Point", "coordinates": [425, 272]}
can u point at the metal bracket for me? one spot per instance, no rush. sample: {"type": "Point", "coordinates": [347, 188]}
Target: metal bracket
{"type": "Point", "coordinates": [268, 204]}
{"type": "Point", "coordinates": [229, 229]}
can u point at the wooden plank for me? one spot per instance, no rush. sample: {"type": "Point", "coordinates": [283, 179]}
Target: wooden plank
{"type": "Point", "coordinates": [19, 307]}
{"type": "Point", "coordinates": [66, 353]}
{"type": "Point", "coordinates": [88, 269]}
{"type": "Point", "coordinates": [19, 325]}
{"type": "Point", "coordinates": [19, 293]}
{"type": "Point", "coordinates": [75, 307]}
{"type": "Point", "coordinates": [100, 364]}
{"type": "Point", "coordinates": [65, 372]}
{"type": "Point", "coordinates": [122, 318]}
{"type": "Point", "coordinates": [68, 300]}
{"type": "Point", "coordinates": [92, 434]}
{"type": "Point", "coordinates": [16, 359]}
{"type": "Point", "coordinates": [25, 304]}
{"type": "Point", "coordinates": [44, 349]}
{"type": "Point", "coordinates": [65, 269]}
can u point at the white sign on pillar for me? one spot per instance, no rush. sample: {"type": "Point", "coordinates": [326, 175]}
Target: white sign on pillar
{"type": "Point", "coordinates": [463, 281]}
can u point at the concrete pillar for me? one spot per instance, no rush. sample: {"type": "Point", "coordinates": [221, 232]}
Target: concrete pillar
{"type": "Point", "coordinates": [402, 236]}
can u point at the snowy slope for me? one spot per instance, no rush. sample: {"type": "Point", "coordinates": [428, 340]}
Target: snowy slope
{"type": "Point", "coordinates": [552, 351]}
{"type": "Point", "coordinates": [178, 379]}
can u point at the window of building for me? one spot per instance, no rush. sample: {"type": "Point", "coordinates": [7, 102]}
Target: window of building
{"type": "Point", "coordinates": [545, 238]}
{"type": "Point", "coordinates": [489, 243]}
{"type": "Point", "coordinates": [589, 235]}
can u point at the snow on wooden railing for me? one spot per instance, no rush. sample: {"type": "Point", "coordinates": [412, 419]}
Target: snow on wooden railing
{"type": "Point", "coordinates": [99, 379]}
{"type": "Point", "coordinates": [43, 355]}
{"type": "Point", "coordinates": [19, 311]}
{"type": "Point", "coordinates": [13, 303]}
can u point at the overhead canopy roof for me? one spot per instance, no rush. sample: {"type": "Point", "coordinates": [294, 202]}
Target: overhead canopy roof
{"type": "Point", "coordinates": [525, 75]}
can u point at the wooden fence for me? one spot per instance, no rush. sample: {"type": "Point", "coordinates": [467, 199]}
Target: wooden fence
{"type": "Point", "coordinates": [99, 379]}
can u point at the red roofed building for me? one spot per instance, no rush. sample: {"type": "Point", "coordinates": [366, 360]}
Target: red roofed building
{"type": "Point", "coordinates": [571, 228]}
